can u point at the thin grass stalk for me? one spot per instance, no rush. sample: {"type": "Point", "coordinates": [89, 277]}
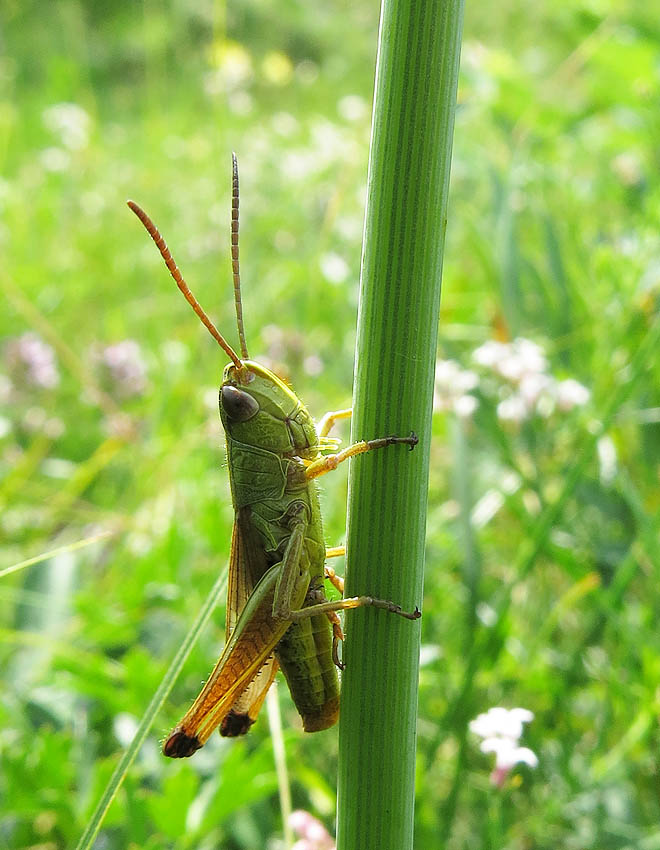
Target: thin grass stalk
{"type": "Point", "coordinates": [279, 754]}
{"type": "Point", "coordinates": [167, 683]}
{"type": "Point", "coordinates": [416, 78]}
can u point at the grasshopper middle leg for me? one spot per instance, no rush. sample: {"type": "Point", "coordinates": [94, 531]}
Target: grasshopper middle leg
{"type": "Point", "coordinates": [327, 422]}
{"type": "Point", "coordinates": [353, 602]}
{"type": "Point", "coordinates": [288, 579]}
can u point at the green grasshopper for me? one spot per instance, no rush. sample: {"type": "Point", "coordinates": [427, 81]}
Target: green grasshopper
{"type": "Point", "coordinates": [277, 611]}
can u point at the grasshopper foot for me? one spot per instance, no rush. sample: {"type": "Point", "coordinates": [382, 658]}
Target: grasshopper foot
{"type": "Point", "coordinates": [409, 615]}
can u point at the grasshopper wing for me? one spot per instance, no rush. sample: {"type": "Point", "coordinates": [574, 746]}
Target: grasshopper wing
{"type": "Point", "coordinates": [247, 561]}
{"type": "Point", "coordinates": [251, 643]}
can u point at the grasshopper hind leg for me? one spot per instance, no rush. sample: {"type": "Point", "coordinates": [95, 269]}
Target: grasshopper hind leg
{"type": "Point", "coordinates": [337, 637]}
{"type": "Point", "coordinates": [181, 745]}
{"type": "Point", "coordinates": [336, 581]}
{"type": "Point", "coordinates": [235, 724]}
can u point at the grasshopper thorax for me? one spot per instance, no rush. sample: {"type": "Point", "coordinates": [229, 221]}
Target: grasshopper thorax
{"type": "Point", "coordinates": [258, 409]}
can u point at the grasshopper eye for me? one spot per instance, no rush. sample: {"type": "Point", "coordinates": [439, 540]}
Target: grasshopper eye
{"type": "Point", "coordinates": [237, 404]}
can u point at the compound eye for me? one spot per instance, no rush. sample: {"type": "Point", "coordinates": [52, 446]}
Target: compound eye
{"type": "Point", "coordinates": [237, 404]}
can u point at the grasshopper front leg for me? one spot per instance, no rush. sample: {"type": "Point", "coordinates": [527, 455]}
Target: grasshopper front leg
{"type": "Point", "coordinates": [327, 422]}
{"type": "Point", "coordinates": [330, 462]}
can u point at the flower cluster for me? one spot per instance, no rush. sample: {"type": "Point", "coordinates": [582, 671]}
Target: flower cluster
{"type": "Point", "coordinates": [523, 385]}
{"type": "Point", "coordinates": [31, 362]}
{"type": "Point", "coordinates": [501, 730]}
{"type": "Point", "coordinates": [452, 388]}
{"type": "Point", "coordinates": [528, 388]}
{"type": "Point", "coordinates": [122, 368]}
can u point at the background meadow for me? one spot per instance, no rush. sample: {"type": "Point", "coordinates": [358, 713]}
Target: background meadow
{"type": "Point", "coordinates": [543, 551]}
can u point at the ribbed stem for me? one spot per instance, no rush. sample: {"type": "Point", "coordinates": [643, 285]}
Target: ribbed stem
{"type": "Point", "coordinates": [416, 77]}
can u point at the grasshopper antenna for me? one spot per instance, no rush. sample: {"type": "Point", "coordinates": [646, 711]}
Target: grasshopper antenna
{"type": "Point", "coordinates": [153, 231]}
{"type": "Point", "coordinates": [236, 274]}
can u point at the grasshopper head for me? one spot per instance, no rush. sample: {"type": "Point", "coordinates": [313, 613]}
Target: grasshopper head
{"type": "Point", "coordinates": [258, 409]}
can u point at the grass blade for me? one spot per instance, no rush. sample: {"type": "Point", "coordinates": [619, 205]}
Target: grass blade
{"type": "Point", "coordinates": [127, 759]}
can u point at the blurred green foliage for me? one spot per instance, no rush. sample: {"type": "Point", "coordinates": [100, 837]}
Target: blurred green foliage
{"type": "Point", "coordinates": [108, 419]}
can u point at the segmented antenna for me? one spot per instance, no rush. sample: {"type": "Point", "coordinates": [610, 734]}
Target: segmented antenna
{"type": "Point", "coordinates": [234, 257]}
{"type": "Point", "coordinates": [152, 230]}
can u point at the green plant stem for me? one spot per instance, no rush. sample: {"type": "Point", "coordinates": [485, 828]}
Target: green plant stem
{"type": "Point", "coordinates": [416, 77]}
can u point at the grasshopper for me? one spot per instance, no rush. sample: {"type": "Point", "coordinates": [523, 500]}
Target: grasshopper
{"type": "Point", "coordinates": [277, 611]}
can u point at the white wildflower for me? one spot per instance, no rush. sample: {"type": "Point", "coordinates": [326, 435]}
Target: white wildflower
{"type": "Point", "coordinates": [508, 754]}
{"type": "Point", "coordinates": [452, 387]}
{"type": "Point", "coordinates": [533, 387]}
{"type": "Point", "coordinates": [501, 722]}
{"type": "Point", "coordinates": [490, 353]}
{"type": "Point", "coordinates": [501, 730]}
{"type": "Point", "coordinates": [465, 406]}
{"type": "Point", "coordinates": [240, 102]}
{"type": "Point", "coordinates": [511, 360]}
{"type": "Point", "coordinates": [524, 357]}
{"type": "Point", "coordinates": [531, 354]}
{"type": "Point", "coordinates": [512, 409]}
{"type": "Point", "coordinates": [487, 614]}
{"type": "Point", "coordinates": [570, 394]}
